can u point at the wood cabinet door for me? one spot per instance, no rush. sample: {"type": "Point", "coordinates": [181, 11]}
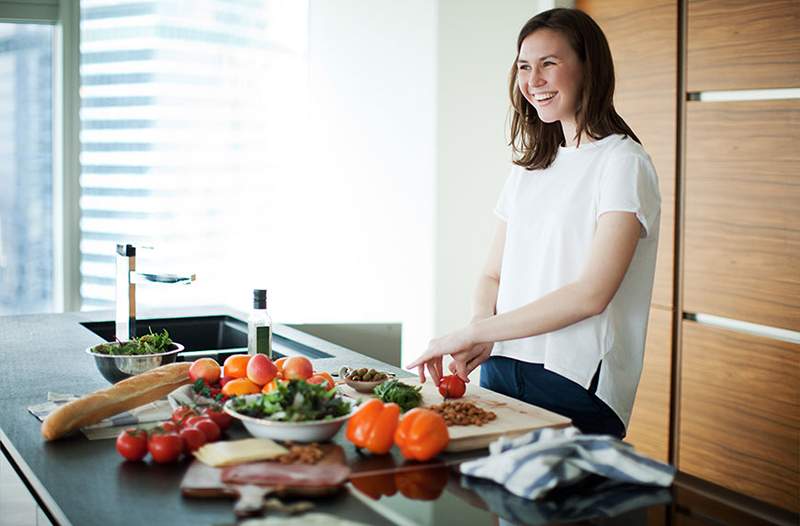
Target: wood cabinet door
{"type": "Point", "coordinates": [742, 44]}
{"type": "Point", "coordinates": [742, 213]}
{"type": "Point", "coordinates": [649, 426]}
{"type": "Point", "coordinates": [643, 37]}
{"type": "Point", "coordinates": [740, 413]}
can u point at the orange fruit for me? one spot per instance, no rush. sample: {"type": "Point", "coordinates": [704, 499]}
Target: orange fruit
{"type": "Point", "coordinates": [279, 363]}
{"type": "Point", "coordinates": [327, 377]}
{"type": "Point", "coordinates": [240, 386]}
{"type": "Point", "coordinates": [271, 386]}
{"type": "Point", "coordinates": [236, 366]}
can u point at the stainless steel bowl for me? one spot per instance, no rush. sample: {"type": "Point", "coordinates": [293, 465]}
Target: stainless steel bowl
{"type": "Point", "coordinates": [115, 368]}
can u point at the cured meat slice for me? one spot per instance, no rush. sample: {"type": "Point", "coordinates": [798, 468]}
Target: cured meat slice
{"type": "Point", "coordinates": [274, 474]}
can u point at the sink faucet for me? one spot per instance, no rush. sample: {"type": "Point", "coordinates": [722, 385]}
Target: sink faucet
{"type": "Point", "coordinates": [126, 281]}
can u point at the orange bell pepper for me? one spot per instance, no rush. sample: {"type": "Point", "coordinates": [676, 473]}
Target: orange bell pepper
{"type": "Point", "coordinates": [422, 434]}
{"type": "Point", "coordinates": [372, 427]}
{"type": "Point", "coordinates": [422, 484]}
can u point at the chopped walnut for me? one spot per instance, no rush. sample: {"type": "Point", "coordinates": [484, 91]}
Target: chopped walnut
{"type": "Point", "coordinates": [459, 413]}
{"type": "Point", "coordinates": [301, 454]}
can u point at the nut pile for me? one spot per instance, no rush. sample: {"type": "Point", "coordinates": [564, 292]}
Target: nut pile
{"type": "Point", "coordinates": [367, 375]}
{"type": "Point", "coordinates": [458, 413]}
{"type": "Point", "coordinates": [301, 454]}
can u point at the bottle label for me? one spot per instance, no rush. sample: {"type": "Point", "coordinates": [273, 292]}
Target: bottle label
{"type": "Point", "coordinates": [264, 340]}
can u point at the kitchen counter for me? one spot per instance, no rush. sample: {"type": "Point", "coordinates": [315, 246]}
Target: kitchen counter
{"type": "Point", "coordinates": [83, 482]}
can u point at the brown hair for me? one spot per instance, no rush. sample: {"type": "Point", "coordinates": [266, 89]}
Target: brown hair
{"type": "Point", "coordinates": [535, 143]}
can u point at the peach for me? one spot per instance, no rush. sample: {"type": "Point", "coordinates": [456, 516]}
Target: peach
{"type": "Point", "coordinates": [206, 369]}
{"type": "Point", "coordinates": [298, 368]}
{"type": "Point", "coordinates": [261, 370]}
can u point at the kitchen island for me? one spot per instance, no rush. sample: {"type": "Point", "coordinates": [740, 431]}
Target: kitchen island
{"type": "Point", "coordinates": [82, 482]}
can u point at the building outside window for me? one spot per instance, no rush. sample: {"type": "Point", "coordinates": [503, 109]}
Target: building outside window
{"type": "Point", "coordinates": [187, 113]}
{"type": "Point", "coordinates": [26, 168]}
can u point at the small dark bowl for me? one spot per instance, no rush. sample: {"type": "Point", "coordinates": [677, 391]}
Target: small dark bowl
{"type": "Point", "coordinates": [115, 368]}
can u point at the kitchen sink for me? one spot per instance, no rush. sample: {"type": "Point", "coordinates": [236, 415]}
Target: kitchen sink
{"type": "Point", "coordinates": [214, 336]}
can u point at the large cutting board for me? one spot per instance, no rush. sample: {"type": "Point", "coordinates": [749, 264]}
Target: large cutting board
{"type": "Point", "coordinates": [513, 416]}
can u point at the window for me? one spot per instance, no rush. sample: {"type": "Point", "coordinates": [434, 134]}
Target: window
{"type": "Point", "coordinates": [26, 168]}
{"type": "Point", "coordinates": [186, 122]}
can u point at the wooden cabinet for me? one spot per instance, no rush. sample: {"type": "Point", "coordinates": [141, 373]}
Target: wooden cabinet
{"type": "Point", "coordinates": [643, 37]}
{"type": "Point", "coordinates": [741, 44]}
{"type": "Point", "coordinates": [742, 214]}
{"type": "Point", "coordinates": [649, 426]}
{"type": "Point", "coordinates": [740, 413]}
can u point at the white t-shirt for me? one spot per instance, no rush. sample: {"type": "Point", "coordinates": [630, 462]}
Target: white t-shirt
{"type": "Point", "coordinates": [551, 216]}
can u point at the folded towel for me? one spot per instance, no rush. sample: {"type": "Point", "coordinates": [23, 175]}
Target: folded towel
{"type": "Point", "coordinates": [531, 465]}
{"type": "Point", "coordinates": [593, 498]}
{"type": "Point", "coordinates": [152, 413]}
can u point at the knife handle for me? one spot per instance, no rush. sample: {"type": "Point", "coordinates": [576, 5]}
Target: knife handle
{"type": "Point", "coordinates": [251, 500]}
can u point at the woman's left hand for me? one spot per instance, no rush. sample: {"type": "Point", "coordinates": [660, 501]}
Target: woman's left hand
{"type": "Point", "coordinates": [452, 343]}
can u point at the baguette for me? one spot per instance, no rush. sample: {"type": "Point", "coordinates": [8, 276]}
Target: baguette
{"type": "Point", "coordinates": [129, 393]}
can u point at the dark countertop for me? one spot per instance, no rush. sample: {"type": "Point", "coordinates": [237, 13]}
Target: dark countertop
{"type": "Point", "coordinates": [83, 482]}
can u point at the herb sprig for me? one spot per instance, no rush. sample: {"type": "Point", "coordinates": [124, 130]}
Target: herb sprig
{"type": "Point", "coordinates": [404, 395]}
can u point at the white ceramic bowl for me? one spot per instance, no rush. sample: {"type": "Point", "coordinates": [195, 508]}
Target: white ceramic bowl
{"type": "Point", "coordinates": [314, 431]}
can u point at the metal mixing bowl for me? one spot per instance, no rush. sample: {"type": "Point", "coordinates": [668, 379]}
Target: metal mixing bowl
{"type": "Point", "coordinates": [115, 368]}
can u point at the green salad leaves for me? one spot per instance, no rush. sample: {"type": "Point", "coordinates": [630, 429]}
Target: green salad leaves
{"type": "Point", "coordinates": [294, 401]}
{"type": "Point", "coordinates": [148, 344]}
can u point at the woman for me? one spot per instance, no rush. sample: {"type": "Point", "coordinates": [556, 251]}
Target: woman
{"type": "Point", "coordinates": [561, 309]}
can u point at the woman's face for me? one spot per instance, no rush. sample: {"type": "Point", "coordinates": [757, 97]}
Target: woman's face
{"type": "Point", "coordinates": [549, 75]}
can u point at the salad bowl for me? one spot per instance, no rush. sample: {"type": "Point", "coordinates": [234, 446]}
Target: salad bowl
{"type": "Point", "coordinates": [307, 431]}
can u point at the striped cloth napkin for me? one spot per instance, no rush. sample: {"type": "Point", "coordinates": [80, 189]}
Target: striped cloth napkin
{"type": "Point", "coordinates": [152, 413]}
{"type": "Point", "coordinates": [531, 465]}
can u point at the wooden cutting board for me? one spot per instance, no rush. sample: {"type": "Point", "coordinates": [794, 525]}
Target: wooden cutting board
{"type": "Point", "coordinates": [204, 481]}
{"type": "Point", "coordinates": [513, 416]}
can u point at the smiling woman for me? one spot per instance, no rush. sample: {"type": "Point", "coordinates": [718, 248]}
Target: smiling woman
{"type": "Point", "coordinates": [560, 311]}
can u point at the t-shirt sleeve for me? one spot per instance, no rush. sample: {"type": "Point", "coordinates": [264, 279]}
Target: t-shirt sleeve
{"type": "Point", "coordinates": [629, 184]}
{"type": "Point", "coordinates": [505, 202]}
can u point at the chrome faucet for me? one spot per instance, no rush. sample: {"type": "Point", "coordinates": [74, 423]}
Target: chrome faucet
{"type": "Point", "coordinates": [127, 279]}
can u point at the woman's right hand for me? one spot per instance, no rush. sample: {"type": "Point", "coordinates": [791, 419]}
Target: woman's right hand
{"type": "Point", "coordinates": [466, 361]}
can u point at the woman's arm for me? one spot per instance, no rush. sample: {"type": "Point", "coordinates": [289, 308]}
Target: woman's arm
{"type": "Point", "coordinates": [485, 299]}
{"type": "Point", "coordinates": [612, 250]}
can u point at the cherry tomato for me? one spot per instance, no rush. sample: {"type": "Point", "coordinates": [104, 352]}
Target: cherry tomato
{"type": "Point", "coordinates": [181, 413]}
{"type": "Point", "coordinates": [221, 418]}
{"type": "Point", "coordinates": [192, 420]}
{"type": "Point", "coordinates": [192, 439]}
{"type": "Point", "coordinates": [170, 426]}
{"type": "Point", "coordinates": [451, 386]}
{"type": "Point", "coordinates": [209, 429]}
{"type": "Point", "coordinates": [165, 447]}
{"type": "Point", "coordinates": [132, 444]}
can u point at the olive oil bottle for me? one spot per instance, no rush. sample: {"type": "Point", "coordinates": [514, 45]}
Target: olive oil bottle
{"type": "Point", "coordinates": [259, 326]}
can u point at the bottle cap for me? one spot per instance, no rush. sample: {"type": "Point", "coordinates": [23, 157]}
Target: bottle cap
{"type": "Point", "coordinates": [259, 298]}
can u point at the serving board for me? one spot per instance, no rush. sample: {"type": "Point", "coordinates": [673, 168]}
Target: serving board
{"type": "Point", "coordinates": [202, 481]}
{"type": "Point", "coordinates": [513, 416]}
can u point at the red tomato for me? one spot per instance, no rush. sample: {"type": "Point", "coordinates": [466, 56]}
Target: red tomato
{"type": "Point", "coordinates": [165, 447]}
{"type": "Point", "coordinates": [209, 429]}
{"type": "Point", "coordinates": [451, 386]}
{"type": "Point", "coordinates": [192, 439]}
{"type": "Point", "coordinates": [221, 418]}
{"type": "Point", "coordinates": [170, 426]}
{"type": "Point", "coordinates": [181, 413]}
{"type": "Point", "coordinates": [132, 444]}
{"type": "Point", "coordinates": [192, 420]}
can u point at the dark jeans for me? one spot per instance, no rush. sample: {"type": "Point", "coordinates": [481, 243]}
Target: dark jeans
{"type": "Point", "coordinates": [532, 383]}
